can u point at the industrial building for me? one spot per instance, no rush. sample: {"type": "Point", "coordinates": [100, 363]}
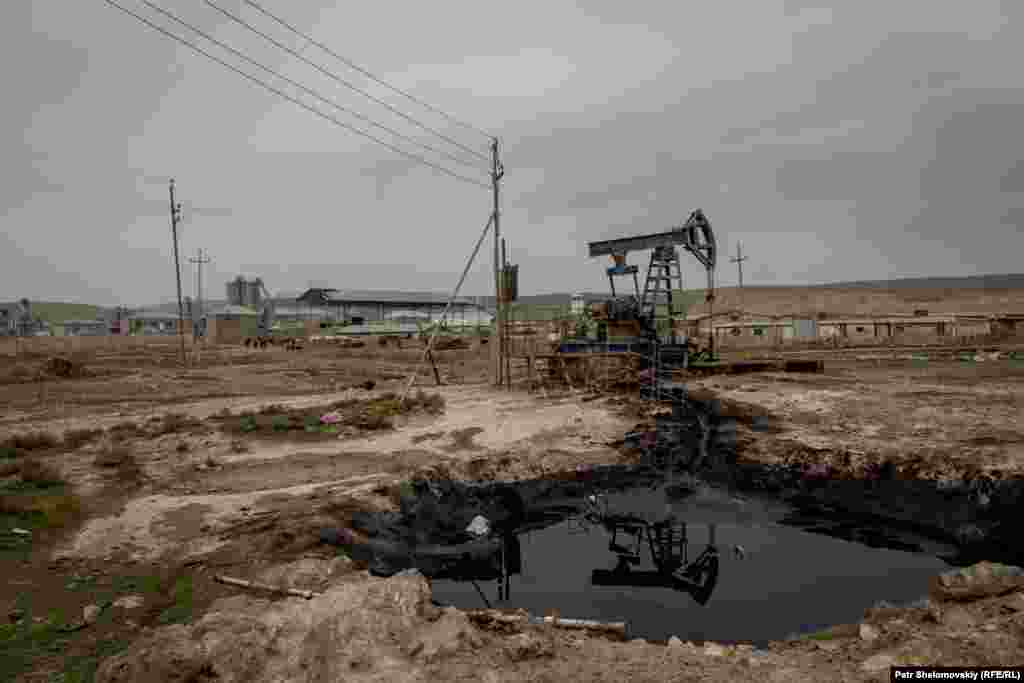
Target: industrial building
{"type": "Point", "coordinates": [85, 328]}
{"type": "Point", "coordinates": [370, 305]}
{"type": "Point", "coordinates": [746, 329]}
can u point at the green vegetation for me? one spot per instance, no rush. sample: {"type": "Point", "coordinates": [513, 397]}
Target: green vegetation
{"type": "Point", "coordinates": [181, 610]}
{"type": "Point", "coordinates": [54, 312]}
{"type": "Point", "coordinates": [280, 423]}
{"type": "Point", "coordinates": [248, 424]}
{"type": "Point", "coordinates": [23, 642]}
{"type": "Point", "coordinates": [821, 635]}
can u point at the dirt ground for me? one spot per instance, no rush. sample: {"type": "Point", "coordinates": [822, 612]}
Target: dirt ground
{"type": "Point", "coordinates": [132, 483]}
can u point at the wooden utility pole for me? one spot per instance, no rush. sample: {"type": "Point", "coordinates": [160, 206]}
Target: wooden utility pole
{"type": "Point", "coordinates": [497, 171]}
{"type": "Point", "coordinates": [175, 219]}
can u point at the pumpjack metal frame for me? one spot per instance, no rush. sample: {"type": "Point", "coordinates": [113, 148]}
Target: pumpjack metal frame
{"type": "Point", "coordinates": [695, 235]}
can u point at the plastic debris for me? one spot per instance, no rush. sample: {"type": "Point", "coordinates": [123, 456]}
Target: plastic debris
{"type": "Point", "coordinates": [480, 526]}
{"type": "Point", "coordinates": [330, 418]}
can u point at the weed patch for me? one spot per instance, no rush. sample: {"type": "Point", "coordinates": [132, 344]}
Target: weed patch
{"type": "Point", "coordinates": [121, 459]}
{"type": "Point", "coordinates": [181, 610]}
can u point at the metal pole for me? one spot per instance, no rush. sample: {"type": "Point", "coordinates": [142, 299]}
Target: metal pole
{"type": "Point", "coordinates": [496, 173]}
{"type": "Point", "coordinates": [711, 316]}
{"type": "Point", "coordinates": [198, 261]}
{"type": "Point", "coordinates": [175, 217]}
{"type": "Point", "coordinates": [508, 332]}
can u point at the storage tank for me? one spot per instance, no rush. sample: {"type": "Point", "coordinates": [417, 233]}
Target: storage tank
{"type": "Point", "coordinates": [236, 291]}
{"type": "Point", "coordinates": [254, 294]}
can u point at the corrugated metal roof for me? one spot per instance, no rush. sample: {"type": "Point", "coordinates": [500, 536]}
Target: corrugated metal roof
{"type": "Point", "coordinates": [390, 297]}
{"type": "Point", "coordinates": [154, 315]}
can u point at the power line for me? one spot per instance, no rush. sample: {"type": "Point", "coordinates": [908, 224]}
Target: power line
{"type": "Point", "coordinates": [342, 81]}
{"type": "Point", "coordinates": [364, 72]}
{"type": "Point", "coordinates": [309, 91]}
{"type": "Point", "coordinates": [305, 106]}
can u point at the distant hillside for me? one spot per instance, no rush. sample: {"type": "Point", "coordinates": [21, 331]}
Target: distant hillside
{"type": "Point", "coordinates": [996, 282]}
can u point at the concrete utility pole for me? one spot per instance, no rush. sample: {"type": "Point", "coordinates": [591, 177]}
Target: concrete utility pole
{"type": "Point", "coordinates": [175, 219]}
{"type": "Point", "coordinates": [199, 261]}
{"type": "Point", "coordinates": [738, 260]}
{"type": "Point", "coordinates": [497, 171]}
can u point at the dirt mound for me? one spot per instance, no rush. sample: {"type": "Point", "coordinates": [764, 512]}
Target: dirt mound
{"type": "Point", "coordinates": [366, 630]}
{"type": "Point", "coordinates": [65, 368]}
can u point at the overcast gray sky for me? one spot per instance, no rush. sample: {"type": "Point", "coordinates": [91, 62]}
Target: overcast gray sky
{"type": "Point", "coordinates": [862, 140]}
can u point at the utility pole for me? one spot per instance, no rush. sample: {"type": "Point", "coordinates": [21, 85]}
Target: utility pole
{"type": "Point", "coordinates": [738, 260]}
{"type": "Point", "coordinates": [497, 171]}
{"type": "Point", "coordinates": [507, 341]}
{"type": "Point", "coordinates": [198, 261]}
{"type": "Point", "coordinates": [175, 219]}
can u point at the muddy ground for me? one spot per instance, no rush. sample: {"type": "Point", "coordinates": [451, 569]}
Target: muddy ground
{"type": "Point", "coordinates": [138, 482]}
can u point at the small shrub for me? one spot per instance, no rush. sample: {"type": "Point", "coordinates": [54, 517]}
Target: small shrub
{"type": "Point", "coordinates": [311, 423]}
{"type": "Point", "coordinates": [176, 422]}
{"type": "Point", "coordinates": [123, 430]}
{"type": "Point", "coordinates": [248, 424]}
{"type": "Point", "coordinates": [115, 456]}
{"type": "Point", "coordinates": [76, 438]}
{"type": "Point", "coordinates": [280, 423]}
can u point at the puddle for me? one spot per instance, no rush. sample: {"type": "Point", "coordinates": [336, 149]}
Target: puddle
{"type": "Point", "coordinates": [662, 548]}
{"type": "Point", "coordinates": [746, 572]}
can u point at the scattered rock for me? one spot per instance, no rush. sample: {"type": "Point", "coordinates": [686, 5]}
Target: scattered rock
{"type": "Point", "coordinates": [990, 627]}
{"type": "Point", "coordinates": [129, 602]}
{"type": "Point", "coordinates": [480, 526]}
{"type": "Point", "coordinates": [21, 532]}
{"type": "Point", "coordinates": [827, 645]}
{"type": "Point", "coordinates": [868, 633]}
{"type": "Point", "coordinates": [90, 613]}
{"type": "Point", "coordinates": [714, 650]}
{"type": "Point", "coordinates": [957, 618]}
{"type": "Point", "coordinates": [531, 645]}
{"type": "Point", "coordinates": [356, 631]}
{"type": "Point", "coordinates": [879, 662]}
{"type": "Point", "coordinates": [450, 634]}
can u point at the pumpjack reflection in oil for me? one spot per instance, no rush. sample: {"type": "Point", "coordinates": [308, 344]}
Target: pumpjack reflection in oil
{"type": "Point", "coordinates": [667, 543]}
